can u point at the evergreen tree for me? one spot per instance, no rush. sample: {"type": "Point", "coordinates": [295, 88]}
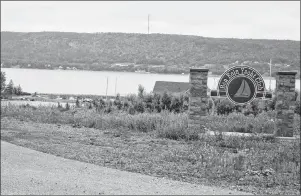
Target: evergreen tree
{"type": "Point", "coordinates": [15, 90]}
{"type": "Point", "coordinates": [3, 80]}
{"type": "Point", "coordinates": [10, 88]}
{"type": "Point", "coordinates": [19, 90]}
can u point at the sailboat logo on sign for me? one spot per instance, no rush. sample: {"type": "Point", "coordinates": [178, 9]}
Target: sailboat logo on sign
{"type": "Point", "coordinates": [244, 90]}
{"type": "Point", "coordinates": [241, 84]}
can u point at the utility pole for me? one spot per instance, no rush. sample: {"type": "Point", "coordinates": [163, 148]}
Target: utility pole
{"type": "Point", "coordinates": [148, 24]}
{"type": "Point", "coordinates": [107, 89]}
{"type": "Point", "coordinates": [270, 73]}
{"type": "Point", "coordinates": [270, 67]}
{"type": "Point", "coordinates": [115, 86]}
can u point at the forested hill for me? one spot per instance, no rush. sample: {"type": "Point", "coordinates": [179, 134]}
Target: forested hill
{"type": "Point", "coordinates": [99, 51]}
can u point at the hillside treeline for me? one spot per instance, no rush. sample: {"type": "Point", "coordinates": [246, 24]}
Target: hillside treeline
{"type": "Point", "coordinates": [93, 51]}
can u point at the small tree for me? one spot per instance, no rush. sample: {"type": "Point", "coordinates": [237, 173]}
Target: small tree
{"type": "Point", "coordinates": [10, 88]}
{"type": "Point", "coordinates": [117, 102]}
{"type": "Point", "coordinates": [17, 90]}
{"type": "Point", "coordinates": [166, 101]}
{"type": "Point", "coordinates": [59, 105]}
{"type": "Point", "coordinates": [117, 96]}
{"type": "Point", "coordinates": [148, 99]}
{"type": "Point", "coordinates": [77, 104]}
{"type": "Point", "coordinates": [3, 80]}
{"type": "Point", "coordinates": [67, 106]}
{"type": "Point", "coordinates": [184, 103]}
{"type": "Point", "coordinates": [141, 91]}
{"type": "Point", "coordinates": [20, 90]}
{"type": "Point", "coordinates": [156, 102]}
{"type": "Point", "coordinates": [102, 103]}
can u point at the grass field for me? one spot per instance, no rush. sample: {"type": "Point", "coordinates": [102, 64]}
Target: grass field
{"type": "Point", "coordinates": [160, 144]}
{"type": "Point", "coordinates": [247, 164]}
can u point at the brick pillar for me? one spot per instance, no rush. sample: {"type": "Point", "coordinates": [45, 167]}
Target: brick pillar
{"type": "Point", "coordinates": [285, 101]}
{"type": "Point", "coordinates": [198, 97]}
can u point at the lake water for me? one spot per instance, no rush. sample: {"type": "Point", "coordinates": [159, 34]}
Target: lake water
{"type": "Point", "coordinates": [95, 82]}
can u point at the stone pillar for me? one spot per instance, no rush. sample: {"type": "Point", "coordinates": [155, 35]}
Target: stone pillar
{"type": "Point", "coordinates": [197, 98]}
{"type": "Point", "coordinates": [285, 103]}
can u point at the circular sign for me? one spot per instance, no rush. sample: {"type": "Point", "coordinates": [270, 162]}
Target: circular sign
{"type": "Point", "coordinates": [241, 84]}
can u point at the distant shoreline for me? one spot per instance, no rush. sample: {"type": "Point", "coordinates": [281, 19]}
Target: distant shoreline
{"type": "Point", "coordinates": [210, 75]}
{"type": "Point", "coordinates": [94, 70]}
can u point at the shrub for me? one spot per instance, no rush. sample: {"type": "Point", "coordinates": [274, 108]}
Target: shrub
{"type": "Point", "coordinates": [297, 107]}
{"type": "Point", "coordinates": [126, 105]}
{"type": "Point", "coordinates": [131, 110]}
{"type": "Point", "coordinates": [139, 106]}
{"type": "Point", "coordinates": [108, 109]}
{"type": "Point", "coordinates": [156, 102]}
{"type": "Point", "coordinates": [148, 100]}
{"type": "Point", "coordinates": [238, 122]}
{"type": "Point", "coordinates": [165, 101]}
{"type": "Point", "coordinates": [163, 122]}
{"type": "Point", "coordinates": [176, 104]}
{"type": "Point", "coordinates": [131, 98]}
{"type": "Point", "coordinates": [297, 103]}
{"type": "Point", "coordinates": [102, 103]}
{"type": "Point", "coordinates": [224, 106]}
{"type": "Point", "coordinates": [118, 104]}
{"type": "Point", "coordinates": [272, 103]}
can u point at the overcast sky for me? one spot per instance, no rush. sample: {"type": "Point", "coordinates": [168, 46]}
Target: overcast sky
{"type": "Point", "coordinates": [256, 20]}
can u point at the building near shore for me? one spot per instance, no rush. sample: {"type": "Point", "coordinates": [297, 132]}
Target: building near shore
{"type": "Point", "coordinates": [171, 87]}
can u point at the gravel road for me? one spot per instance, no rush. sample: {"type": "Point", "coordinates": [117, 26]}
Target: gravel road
{"type": "Point", "coordinates": [26, 171]}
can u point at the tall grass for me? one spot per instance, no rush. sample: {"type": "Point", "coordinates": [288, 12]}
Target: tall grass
{"type": "Point", "coordinates": [165, 124]}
